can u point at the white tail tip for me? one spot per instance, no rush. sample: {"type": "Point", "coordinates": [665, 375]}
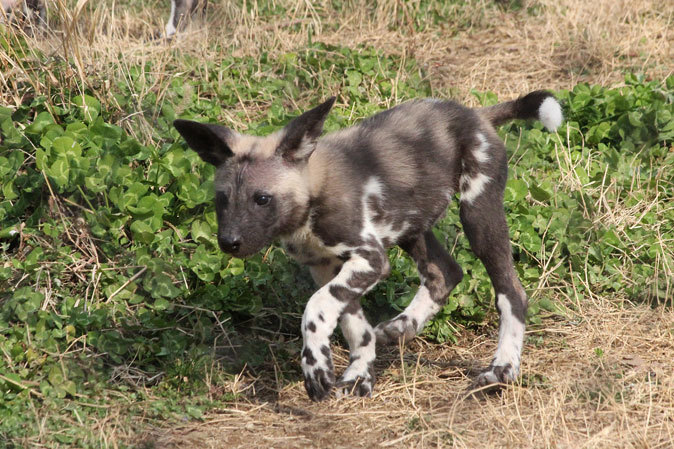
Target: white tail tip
{"type": "Point", "coordinates": [550, 114]}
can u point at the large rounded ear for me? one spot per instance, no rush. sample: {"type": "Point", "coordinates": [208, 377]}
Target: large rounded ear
{"type": "Point", "coordinates": [211, 142]}
{"type": "Point", "coordinates": [300, 135]}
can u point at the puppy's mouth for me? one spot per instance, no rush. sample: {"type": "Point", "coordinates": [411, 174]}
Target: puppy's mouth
{"type": "Point", "coordinates": [242, 252]}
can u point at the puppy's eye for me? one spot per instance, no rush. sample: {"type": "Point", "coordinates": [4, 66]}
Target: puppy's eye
{"type": "Point", "coordinates": [261, 199]}
{"type": "Point", "coordinates": [221, 200]}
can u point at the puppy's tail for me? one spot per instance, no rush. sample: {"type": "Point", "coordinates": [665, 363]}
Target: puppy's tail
{"type": "Point", "coordinates": [538, 105]}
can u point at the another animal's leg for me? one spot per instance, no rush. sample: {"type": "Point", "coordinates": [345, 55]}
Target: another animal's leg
{"type": "Point", "coordinates": [338, 297]}
{"type": "Point", "coordinates": [6, 7]}
{"type": "Point", "coordinates": [172, 22]}
{"type": "Point", "coordinates": [439, 274]}
{"type": "Point", "coordinates": [484, 223]}
{"type": "Point", "coordinates": [36, 10]}
{"type": "Point", "coordinates": [32, 11]}
{"type": "Point", "coordinates": [181, 12]}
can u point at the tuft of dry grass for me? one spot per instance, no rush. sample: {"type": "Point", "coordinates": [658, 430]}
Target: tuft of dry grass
{"type": "Point", "coordinates": [598, 379]}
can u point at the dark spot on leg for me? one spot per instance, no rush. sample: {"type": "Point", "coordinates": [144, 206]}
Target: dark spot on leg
{"type": "Point", "coordinates": [362, 280]}
{"type": "Point", "coordinates": [367, 337]}
{"type": "Point", "coordinates": [319, 385]}
{"type": "Point", "coordinates": [342, 293]}
{"type": "Point", "coordinates": [353, 307]}
{"type": "Point", "coordinates": [376, 260]}
{"type": "Point", "coordinates": [502, 372]}
{"type": "Point", "coordinates": [311, 326]}
{"type": "Point", "coordinates": [353, 358]}
{"type": "Point", "coordinates": [414, 323]}
{"type": "Point", "coordinates": [370, 370]}
{"type": "Point", "coordinates": [320, 317]}
{"type": "Point", "coordinates": [307, 354]}
{"type": "Point", "coordinates": [328, 358]}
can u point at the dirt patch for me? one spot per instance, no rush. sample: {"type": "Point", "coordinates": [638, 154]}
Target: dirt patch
{"type": "Point", "coordinates": [601, 378]}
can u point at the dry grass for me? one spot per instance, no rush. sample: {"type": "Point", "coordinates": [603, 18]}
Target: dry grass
{"type": "Point", "coordinates": [598, 379]}
{"type": "Point", "coordinates": [555, 45]}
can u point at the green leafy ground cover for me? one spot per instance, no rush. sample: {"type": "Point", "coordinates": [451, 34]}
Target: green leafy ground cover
{"type": "Point", "coordinates": [113, 293]}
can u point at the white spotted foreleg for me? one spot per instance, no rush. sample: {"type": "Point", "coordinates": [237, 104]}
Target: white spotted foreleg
{"type": "Point", "coordinates": [411, 321]}
{"type": "Point", "coordinates": [359, 377]}
{"type": "Point", "coordinates": [505, 366]}
{"type": "Point", "coordinates": [320, 318]}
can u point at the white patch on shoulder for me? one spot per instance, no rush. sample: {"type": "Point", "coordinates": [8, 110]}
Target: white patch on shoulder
{"type": "Point", "coordinates": [380, 231]}
{"type": "Point", "coordinates": [510, 336]}
{"type": "Point", "coordinates": [170, 26]}
{"type": "Point", "coordinates": [550, 114]}
{"type": "Point", "coordinates": [471, 188]}
{"type": "Point", "coordinates": [480, 153]}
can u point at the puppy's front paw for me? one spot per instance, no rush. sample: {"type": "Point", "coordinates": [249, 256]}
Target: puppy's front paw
{"type": "Point", "coordinates": [497, 374]}
{"type": "Point", "coordinates": [399, 328]}
{"type": "Point", "coordinates": [319, 377]}
{"type": "Point", "coordinates": [358, 385]}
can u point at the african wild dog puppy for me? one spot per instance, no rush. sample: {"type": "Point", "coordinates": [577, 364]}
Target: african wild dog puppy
{"type": "Point", "coordinates": [35, 11]}
{"type": "Point", "coordinates": [338, 202]}
{"type": "Point", "coordinates": [181, 11]}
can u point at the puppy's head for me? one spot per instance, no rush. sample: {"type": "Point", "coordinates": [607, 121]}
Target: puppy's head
{"type": "Point", "coordinates": [261, 189]}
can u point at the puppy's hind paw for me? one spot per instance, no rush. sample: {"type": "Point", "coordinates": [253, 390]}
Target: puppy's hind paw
{"type": "Point", "coordinates": [495, 377]}
{"type": "Point", "coordinates": [400, 328]}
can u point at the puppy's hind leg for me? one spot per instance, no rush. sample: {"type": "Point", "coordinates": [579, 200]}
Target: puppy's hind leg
{"type": "Point", "coordinates": [484, 223]}
{"type": "Point", "coordinates": [439, 274]}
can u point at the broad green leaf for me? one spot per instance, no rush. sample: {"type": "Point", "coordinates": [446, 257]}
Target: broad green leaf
{"type": "Point", "coordinates": [90, 107]}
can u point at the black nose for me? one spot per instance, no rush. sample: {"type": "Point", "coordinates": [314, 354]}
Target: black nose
{"type": "Point", "coordinates": [229, 244]}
